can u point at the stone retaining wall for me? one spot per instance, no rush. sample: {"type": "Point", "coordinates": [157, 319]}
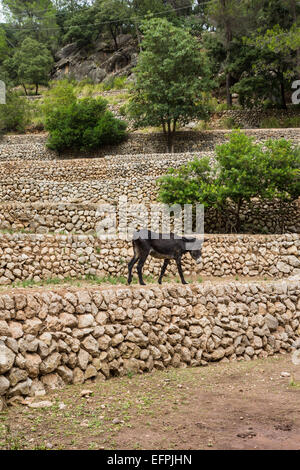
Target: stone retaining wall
{"type": "Point", "coordinates": [40, 257]}
{"type": "Point", "coordinates": [251, 118]}
{"type": "Point", "coordinates": [32, 146]}
{"type": "Point", "coordinates": [52, 338]}
{"type": "Point", "coordinates": [43, 217]}
{"type": "Point", "coordinates": [137, 189]}
{"type": "Point", "coordinates": [94, 169]}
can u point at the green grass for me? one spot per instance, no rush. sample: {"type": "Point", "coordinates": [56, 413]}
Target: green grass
{"type": "Point", "coordinates": [274, 122]}
{"type": "Point", "coordinates": [79, 281]}
{"type": "Point", "coordinates": [230, 123]}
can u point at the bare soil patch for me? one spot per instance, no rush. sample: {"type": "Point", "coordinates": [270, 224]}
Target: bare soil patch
{"type": "Point", "coordinates": [238, 405]}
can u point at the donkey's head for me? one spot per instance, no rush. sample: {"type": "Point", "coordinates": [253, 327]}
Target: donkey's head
{"type": "Point", "coordinates": [194, 247]}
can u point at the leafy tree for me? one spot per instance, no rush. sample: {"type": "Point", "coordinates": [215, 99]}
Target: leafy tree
{"type": "Point", "coordinates": [80, 28]}
{"type": "Point", "coordinates": [171, 75]}
{"type": "Point", "coordinates": [3, 45]}
{"type": "Point", "coordinates": [32, 63]}
{"type": "Point", "coordinates": [14, 115]}
{"type": "Point", "coordinates": [260, 40]}
{"type": "Point", "coordinates": [275, 60]}
{"type": "Point", "coordinates": [243, 171]}
{"type": "Point", "coordinates": [83, 125]}
{"type": "Point", "coordinates": [33, 18]}
{"type": "Point", "coordinates": [113, 14]}
{"type": "Point", "coordinates": [231, 19]}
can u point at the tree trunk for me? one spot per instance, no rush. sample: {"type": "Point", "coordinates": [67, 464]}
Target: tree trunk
{"type": "Point", "coordinates": [237, 216]}
{"type": "Point", "coordinates": [138, 35]}
{"type": "Point", "coordinates": [23, 85]}
{"type": "Point", "coordinates": [36, 88]}
{"type": "Point", "coordinates": [294, 13]}
{"type": "Point", "coordinates": [282, 92]}
{"type": "Point", "coordinates": [170, 135]}
{"type": "Point", "coordinates": [228, 40]}
{"type": "Point", "coordinates": [228, 93]}
{"type": "Point", "coordinates": [114, 36]}
{"type": "Point", "coordinates": [170, 141]}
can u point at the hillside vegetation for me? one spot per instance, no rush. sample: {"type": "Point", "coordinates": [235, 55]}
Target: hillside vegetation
{"type": "Point", "coordinates": [247, 55]}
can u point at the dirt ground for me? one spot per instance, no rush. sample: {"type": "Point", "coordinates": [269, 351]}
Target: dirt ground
{"type": "Point", "coordinates": [238, 405]}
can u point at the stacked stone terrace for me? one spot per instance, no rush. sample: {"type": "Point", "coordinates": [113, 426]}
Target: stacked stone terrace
{"type": "Point", "coordinates": [40, 193]}
{"type": "Point", "coordinates": [51, 337]}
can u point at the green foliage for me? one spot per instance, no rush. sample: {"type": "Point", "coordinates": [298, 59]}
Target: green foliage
{"type": "Point", "coordinates": [59, 95]}
{"type": "Point", "coordinates": [291, 122]}
{"type": "Point", "coordinates": [114, 83]}
{"type": "Point", "coordinates": [275, 122]}
{"type": "Point", "coordinates": [171, 75]}
{"type": "Point", "coordinates": [114, 15]}
{"type": "Point", "coordinates": [3, 45]}
{"type": "Point", "coordinates": [252, 47]}
{"type": "Point", "coordinates": [32, 63]}
{"type": "Point", "coordinates": [229, 123]}
{"type": "Point", "coordinates": [74, 32]}
{"type": "Point", "coordinates": [243, 170]}
{"type": "Point", "coordinates": [14, 115]}
{"type": "Point", "coordinates": [84, 125]}
{"type": "Point", "coordinates": [271, 122]}
{"type": "Point", "coordinates": [32, 18]}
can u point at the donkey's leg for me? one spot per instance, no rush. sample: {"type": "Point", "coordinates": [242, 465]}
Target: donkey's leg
{"type": "Point", "coordinates": [130, 266]}
{"type": "Point", "coordinates": [178, 262]}
{"type": "Point", "coordinates": [140, 265]}
{"type": "Point", "coordinates": [163, 270]}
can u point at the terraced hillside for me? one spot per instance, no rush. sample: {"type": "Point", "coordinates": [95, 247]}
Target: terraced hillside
{"type": "Point", "coordinates": [242, 303]}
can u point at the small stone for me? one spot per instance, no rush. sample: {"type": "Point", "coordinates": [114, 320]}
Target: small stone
{"type": "Point", "coordinates": [41, 404]}
{"type": "Point", "coordinates": [85, 393]}
{"type": "Point", "coordinates": [84, 423]}
{"type": "Point", "coordinates": [285, 374]}
{"type": "Point", "coordinates": [117, 421]}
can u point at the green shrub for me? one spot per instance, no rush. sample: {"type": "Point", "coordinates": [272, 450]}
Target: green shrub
{"type": "Point", "coordinates": [15, 114]}
{"type": "Point", "coordinates": [243, 170]}
{"type": "Point", "coordinates": [36, 115]}
{"type": "Point", "coordinates": [114, 83]}
{"type": "Point", "coordinates": [83, 125]}
{"type": "Point", "coordinates": [274, 122]}
{"type": "Point", "coordinates": [59, 95]}
{"type": "Point", "coordinates": [292, 122]}
{"type": "Point", "coordinates": [270, 123]}
{"type": "Point", "coordinates": [230, 123]}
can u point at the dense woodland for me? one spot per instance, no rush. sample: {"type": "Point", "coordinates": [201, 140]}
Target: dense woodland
{"type": "Point", "coordinates": [252, 46]}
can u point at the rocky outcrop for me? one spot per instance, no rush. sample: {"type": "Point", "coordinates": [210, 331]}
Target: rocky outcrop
{"type": "Point", "coordinates": [97, 63]}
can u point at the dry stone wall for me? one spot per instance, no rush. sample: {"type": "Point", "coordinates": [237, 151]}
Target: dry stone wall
{"type": "Point", "coordinates": [117, 166]}
{"type": "Point", "coordinates": [52, 338]}
{"type": "Point", "coordinates": [78, 217]}
{"type": "Point", "coordinates": [39, 257]}
{"type": "Point", "coordinates": [252, 118]}
{"type": "Point", "coordinates": [32, 146]}
{"type": "Point", "coordinates": [137, 189]}
{"type": "Point", "coordinates": [36, 195]}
